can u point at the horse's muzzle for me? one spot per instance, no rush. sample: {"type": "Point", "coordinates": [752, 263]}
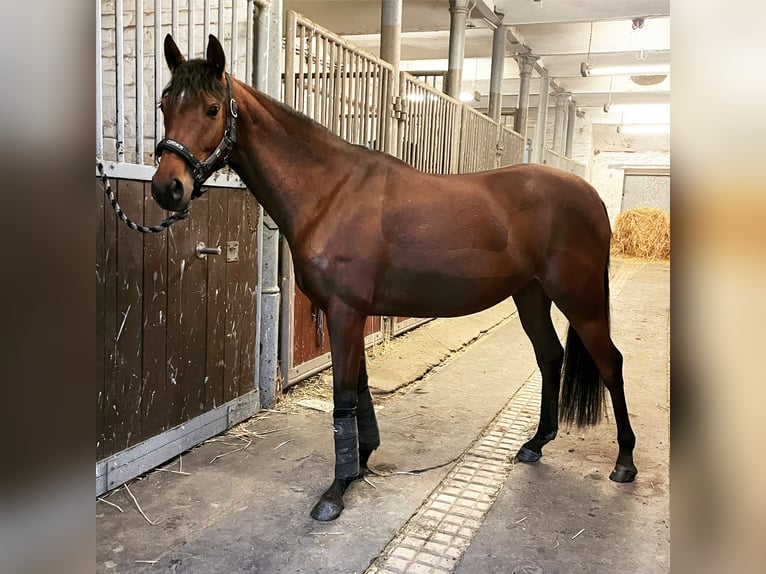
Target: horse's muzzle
{"type": "Point", "coordinates": [169, 195]}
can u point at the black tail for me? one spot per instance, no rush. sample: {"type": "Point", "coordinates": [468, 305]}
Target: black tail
{"type": "Point", "coordinates": [582, 393]}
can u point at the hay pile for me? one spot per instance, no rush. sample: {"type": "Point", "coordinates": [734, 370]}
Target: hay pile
{"type": "Point", "coordinates": [643, 233]}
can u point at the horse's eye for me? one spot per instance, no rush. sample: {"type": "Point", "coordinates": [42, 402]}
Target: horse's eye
{"type": "Point", "coordinates": [213, 110]}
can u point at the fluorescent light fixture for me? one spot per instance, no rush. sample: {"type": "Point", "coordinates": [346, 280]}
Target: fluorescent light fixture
{"type": "Point", "coordinates": [466, 96]}
{"type": "Point", "coordinates": [635, 129]}
{"type": "Point", "coordinates": [636, 70]}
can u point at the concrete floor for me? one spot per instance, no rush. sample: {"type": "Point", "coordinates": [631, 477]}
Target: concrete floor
{"type": "Point", "coordinates": [247, 511]}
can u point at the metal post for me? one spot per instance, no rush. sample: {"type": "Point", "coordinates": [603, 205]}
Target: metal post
{"type": "Point", "coordinates": [496, 75]}
{"type": "Point", "coordinates": [542, 120]}
{"type": "Point", "coordinates": [267, 78]}
{"type": "Point", "coordinates": [390, 51]}
{"type": "Point", "coordinates": [558, 126]}
{"type": "Point", "coordinates": [571, 114]}
{"type": "Point", "coordinates": [99, 87]}
{"type": "Point", "coordinates": [458, 10]}
{"type": "Point", "coordinates": [391, 32]}
{"type": "Point", "coordinates": [526, 64]}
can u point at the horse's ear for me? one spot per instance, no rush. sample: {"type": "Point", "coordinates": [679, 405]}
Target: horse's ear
{"type": "Point", "coordinates": [215, 55]}
{"type": "Point", "coordinates": [173, 55]}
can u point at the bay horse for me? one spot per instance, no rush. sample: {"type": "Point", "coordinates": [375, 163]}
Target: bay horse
{"type": "Point", "coordinates": [371, 235]}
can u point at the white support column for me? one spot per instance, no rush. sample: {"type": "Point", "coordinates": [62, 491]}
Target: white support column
{"type": "Point", "coordinates": [496, 75]}
{"type": "Point", "coordinates": [558, 126]}
{"type": "Point", "coordinates": [571, 115]}
{"type": "Point", "coordinates": [458, 10]}
{"type": "Point", "coordinates": [526, 64]}
{"type": "Point", "coordinates": [542, 120]}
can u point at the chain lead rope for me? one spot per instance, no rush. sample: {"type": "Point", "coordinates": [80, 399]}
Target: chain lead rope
{"type": "Point", "coordinates": [116, 206]}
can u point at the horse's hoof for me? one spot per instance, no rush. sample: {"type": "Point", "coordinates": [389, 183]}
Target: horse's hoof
{"type": "Point", "coordinates": [528, 455]}
{"type": "Point", "coordinates": [623, 473]}
{"type": "Point", "coordinates": [326, 509]}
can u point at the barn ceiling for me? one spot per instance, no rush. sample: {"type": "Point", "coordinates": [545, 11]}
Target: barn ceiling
{"type": "Point", "coordinates": [563, 33]}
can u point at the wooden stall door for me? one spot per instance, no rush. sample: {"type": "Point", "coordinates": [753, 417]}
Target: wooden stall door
{"type": "Point", "coordinates": [175, 332]}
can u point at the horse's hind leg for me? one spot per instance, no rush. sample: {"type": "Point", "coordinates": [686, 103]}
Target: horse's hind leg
{"type": "Point", "coordinates": [587, 308]}
{"type": "Point", "coordinates": [534, 308]}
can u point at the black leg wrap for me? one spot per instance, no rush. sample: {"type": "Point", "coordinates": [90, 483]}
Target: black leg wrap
{"type": "Point", "coordinates": [369, 436]}
{"type": "Point", "coordinates": [346, 448]}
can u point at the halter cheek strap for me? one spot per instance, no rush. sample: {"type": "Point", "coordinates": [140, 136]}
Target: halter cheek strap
{"type": "Point", "coordinates": [201, 170]}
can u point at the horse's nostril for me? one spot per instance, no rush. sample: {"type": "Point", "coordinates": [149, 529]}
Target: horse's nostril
{"type": "Point", "coordinates": [176, 190]}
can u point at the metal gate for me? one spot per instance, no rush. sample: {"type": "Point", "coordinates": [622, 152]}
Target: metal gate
{"type": "Point", "coordinates": [176, 334]}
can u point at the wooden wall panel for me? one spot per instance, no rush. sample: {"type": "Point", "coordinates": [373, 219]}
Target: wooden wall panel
{"type": "Point", "coordinates": [110, 328]}
{"type": "Point", "coordinates": [175, 333]}
{"type": "Point", "coordinates": [216, 298]}
{"type": "Point", "coordinates": [235, 288]}
{"type": "Point", "coordinates": [154, 396]}
{"type": "Point", "coordinates": [101, 213]}
{"type": "Point", "coordinates": [129, 318]}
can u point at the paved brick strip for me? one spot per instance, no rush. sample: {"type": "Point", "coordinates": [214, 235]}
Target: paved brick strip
{"type": "Point", "coordinates": [437, 535]}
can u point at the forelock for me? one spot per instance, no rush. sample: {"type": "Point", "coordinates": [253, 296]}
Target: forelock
{"type": "Point", "coordinates": [193, 78]}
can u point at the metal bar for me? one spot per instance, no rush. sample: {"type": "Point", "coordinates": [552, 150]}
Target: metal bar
{"type": "Point", "coordinates": [99, 87]}
{"type": "Point", "coordinates": [261, 54]}
{"type": "Point", "coordinates": [334, 87]}
{"type": "Point", "coordinates": [342, 106]}
{"type": "Point", "coordinates": [139, 82]}
{"type": "Point", "coordinates": [234, 36]}
{"type": "Point", "coordinates": [157, 71]}
{"type": "Point", "coordinates": [119, 468]}
{"type": "Point", "coordinates": [205, 21]}
{"type": "Point", "coordinates": [220, 21]}
{"type": "Point", "coordinates": [189, 26]}
{"type": "Point", "coordinates": [325, 91]}
{"type": "Point", "coordinates": [174, 19]}
{"type": "Point", "coordinates": [146, 172]}
{"type": "Point", "coordinates": [374, 106]}
{"type": "Point", "coordinates": [290, 33]}
{"type": "Point", "coordinates": [302, 82]}
{"type": "Point", "coordinates": [365, 102]}
{"type": "Point", "coordinates": [120, 80]}
{"type": "Point", "coordinates": [249, 41]}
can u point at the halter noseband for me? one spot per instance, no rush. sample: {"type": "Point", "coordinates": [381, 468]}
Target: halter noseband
{"type": "Point", "coordinates": [204, 169]}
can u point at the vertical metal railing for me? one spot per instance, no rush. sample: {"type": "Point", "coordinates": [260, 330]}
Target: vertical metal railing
{"type": "Point", "coordinates": [429, 130]}
{"type": "Point", "coordinates": [130, 67]}
{"type": "Point", "coordinates": [336, 84]}
{"type": "Point", "coordinates": [510, 147]}
{"type": "Point", "coordinates": [479, 138]}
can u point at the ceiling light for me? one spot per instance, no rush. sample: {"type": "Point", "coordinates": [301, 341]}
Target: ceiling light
{"type": "Point", "coordinates": [589, 69]}
{"type": "Point", "coordinates": [644, 129]}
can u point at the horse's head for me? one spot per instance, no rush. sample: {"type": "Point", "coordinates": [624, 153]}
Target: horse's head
{"type": "Point", "coordinates": [199, 112]}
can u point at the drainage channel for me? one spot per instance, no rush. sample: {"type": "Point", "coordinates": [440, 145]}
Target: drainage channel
{"type": "Point", "coordinates": [437, 535]}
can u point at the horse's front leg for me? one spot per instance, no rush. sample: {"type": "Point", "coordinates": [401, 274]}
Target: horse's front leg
{"type": "Point", "coordinates": [346, 327]}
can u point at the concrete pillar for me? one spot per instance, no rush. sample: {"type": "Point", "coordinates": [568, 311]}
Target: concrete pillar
{"type": "Point", "coordinates": [458, 11]}
{"type": "Point", "coordinates": [542, 120]}
{"type": "Point", "coordinates": [496, 76]}
{"type": "Point", "coordinates": [558, 126]}
{"type": "Point", "coordinates": [391, 32]}
{"type": "Point", "coordinates": [571, 115]}
{"type": "Point", "coordinates": [526, 65]}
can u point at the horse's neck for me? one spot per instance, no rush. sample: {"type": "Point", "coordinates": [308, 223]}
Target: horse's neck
{"type": "Point", "coordinates": [285, 161]}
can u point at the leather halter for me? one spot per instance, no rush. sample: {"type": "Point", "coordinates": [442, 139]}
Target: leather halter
{"type": "Point", "coordinates": [202, 170]}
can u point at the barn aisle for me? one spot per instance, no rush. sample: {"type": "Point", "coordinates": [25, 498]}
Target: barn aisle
{"type": "Point", "coordinates": [240, 502]}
